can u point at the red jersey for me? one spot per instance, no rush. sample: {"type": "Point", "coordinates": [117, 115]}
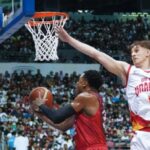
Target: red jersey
{"type": "Point", "coordinates": [89, 131]}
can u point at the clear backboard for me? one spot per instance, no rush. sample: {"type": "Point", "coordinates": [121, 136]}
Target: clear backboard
{"type": "Point", "coordinates": [13, 15]}
{"type": "Point", "coordinates": [9, 9]}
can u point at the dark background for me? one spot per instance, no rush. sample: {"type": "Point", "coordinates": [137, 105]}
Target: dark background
{"type": "Point", "coordinates": [97, 6]}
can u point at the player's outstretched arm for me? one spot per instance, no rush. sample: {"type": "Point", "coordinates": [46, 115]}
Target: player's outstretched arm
{"type": "Point", "coordinates": [118, 68]}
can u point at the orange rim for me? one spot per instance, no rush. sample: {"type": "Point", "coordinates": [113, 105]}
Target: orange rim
{"type": "Point", "coordinates": [47, 14]}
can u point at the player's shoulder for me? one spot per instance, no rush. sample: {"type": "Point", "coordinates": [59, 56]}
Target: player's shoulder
{"type": "Point", "coordinates": [86, 95]}
{"type": "Point", "coordinates": [124, 64]}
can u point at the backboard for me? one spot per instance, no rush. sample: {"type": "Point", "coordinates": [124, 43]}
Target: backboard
{"type": "Point", "coordinates": [13, 15]}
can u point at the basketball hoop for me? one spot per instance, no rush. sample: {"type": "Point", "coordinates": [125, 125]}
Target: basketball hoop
{"type": "Point", "coordinates": [42, 27]}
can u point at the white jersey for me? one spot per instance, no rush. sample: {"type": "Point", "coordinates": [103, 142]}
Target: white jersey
{"type": "Point", "coordinates": [138, 96]}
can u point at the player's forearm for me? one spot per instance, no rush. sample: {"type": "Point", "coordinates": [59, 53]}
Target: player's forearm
{"type": "Point", "coordinates": [57, 116]}
{"type": "Point", "coordinates": [65, 125]}
{"type": "Point", "coordinates": [82, 47]}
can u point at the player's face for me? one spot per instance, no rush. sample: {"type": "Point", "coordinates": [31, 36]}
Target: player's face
{"type": "Point", "coordinates": [81, 84]}
{"type": "Point", "coordinates": [139, 55]}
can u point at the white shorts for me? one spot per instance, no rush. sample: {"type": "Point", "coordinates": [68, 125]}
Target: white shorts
{"type": "Point", "coordinates": [141, 141]}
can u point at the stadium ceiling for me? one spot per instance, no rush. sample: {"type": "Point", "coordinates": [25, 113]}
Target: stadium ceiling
{"type": "Point", "coordinates": [101, 5]}
{"type": "Point", "coordinates": [96, 6]}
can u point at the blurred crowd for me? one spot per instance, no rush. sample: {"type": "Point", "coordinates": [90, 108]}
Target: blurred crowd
{"type": "Point", "coordinates": [15, 115]}
{"type": "Point", "coordinates": [112, 37]}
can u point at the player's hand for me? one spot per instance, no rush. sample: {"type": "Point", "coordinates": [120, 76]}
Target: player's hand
{"type": "Point", "coordinates": [39, 114]}
{"type": "Point", "coordinates": [37, 102]}
{"type": "Point", "coordinates": [62, 34]}
{"type": "Point", "coordinates": [34, 107]}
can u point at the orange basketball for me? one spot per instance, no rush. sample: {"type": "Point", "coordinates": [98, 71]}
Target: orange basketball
{"type": "Point", "coordinates": [43, 93]}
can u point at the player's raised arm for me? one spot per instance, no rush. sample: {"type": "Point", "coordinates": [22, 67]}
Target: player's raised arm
{"type": "Point", "coordinates": [118, 68]}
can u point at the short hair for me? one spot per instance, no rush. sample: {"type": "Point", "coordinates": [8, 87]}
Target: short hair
{"type": "Point", "coordinates": [143, 43]}
{"type": "Point", "coordinates": [93, 78]}
{"type": "Point", "coordinates": [20, 132]}
{"type": "Point", "coordinates": [13, 133]}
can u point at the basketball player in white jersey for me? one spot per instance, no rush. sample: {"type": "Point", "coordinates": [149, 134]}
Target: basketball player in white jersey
{"type": "Point", "coordinates": [136, 78]}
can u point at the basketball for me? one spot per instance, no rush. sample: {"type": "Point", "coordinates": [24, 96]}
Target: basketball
{"type": "Point", "coordinates": [43, 93]}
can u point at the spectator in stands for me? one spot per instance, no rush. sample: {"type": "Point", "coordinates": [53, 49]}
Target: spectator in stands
{"type": "Point", "coordinates": [11, 140]}
{"type": "Point", "coordinates": [136, 78]}
{"type": "Point", "coordinates": [21, 141]}
{"type": "Point", "coordinates": [85, 112]}
{"type": "Point", "coordinates": [111, 144]}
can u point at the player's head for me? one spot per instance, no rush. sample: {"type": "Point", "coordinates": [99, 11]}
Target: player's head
{"type": "Point", "coordinates": [89, 79]}
{"type": "Point", "coordinates": [143, 43]}
{"type": "Point", "coordinates": [140, 52]}
{"type": "Point", "coordinates": [20, 132]}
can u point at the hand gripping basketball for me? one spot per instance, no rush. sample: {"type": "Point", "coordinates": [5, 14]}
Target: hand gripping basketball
{"type": "Point", "coordinates": [39, 96]}
{"type": "Point", "coordinates": [39, 100]}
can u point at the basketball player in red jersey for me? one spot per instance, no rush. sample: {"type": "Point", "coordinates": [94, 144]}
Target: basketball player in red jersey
{"type": "Point", "coordinates": [85, 113]}
{"type": "Point", "coordinates": [136, 78]}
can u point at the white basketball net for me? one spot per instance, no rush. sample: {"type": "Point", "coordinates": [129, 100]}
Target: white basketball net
{"type": "Point", "coordinates": [44, 36]}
